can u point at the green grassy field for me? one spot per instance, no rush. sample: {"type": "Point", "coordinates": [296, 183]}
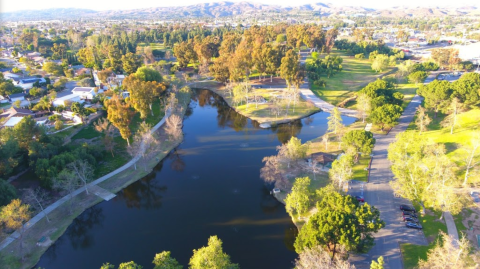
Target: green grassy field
{"type": "Point", "coordinates": [454, 143]}
{"type": "Point", "coordinates": [355, 75]}
{"type": "Point", "coordinates": [153, 46]}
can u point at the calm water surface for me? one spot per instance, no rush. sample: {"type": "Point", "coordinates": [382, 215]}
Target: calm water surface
{"type": "Point", "coordinates": [209, 185]}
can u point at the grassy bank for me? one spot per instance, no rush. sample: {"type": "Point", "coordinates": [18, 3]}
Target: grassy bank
{"type": "Point", "coordinates": [356, 74]}
{"type": "Point", "coordinates": [60, 218]}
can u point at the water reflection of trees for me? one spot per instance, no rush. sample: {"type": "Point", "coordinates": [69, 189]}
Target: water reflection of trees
{"type": "Point", "coordinates": [177, 163]}
{"type": "Point", "coordinates": [228, 117]}
{"type": "Point", "coordinates": [291, 233]}
{"type": "Point", "coordinates": [287, 130]}
{"type": "Point", "coordinates": [80, 231]}
{"type": "Point", "coordinates": [144, 194]}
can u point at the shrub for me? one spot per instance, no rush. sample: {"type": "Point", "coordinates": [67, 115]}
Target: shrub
{"type": "Point", "coordinates": [58, 125]}
{"type": "Point", "coordinates": [360, 56]}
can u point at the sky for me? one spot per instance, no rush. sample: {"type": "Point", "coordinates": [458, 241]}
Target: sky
{"type": "Point", "coordinates": [12, 5]}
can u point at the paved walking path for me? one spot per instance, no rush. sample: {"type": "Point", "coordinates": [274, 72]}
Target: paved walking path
{"type": "Point", "coordinates": [451, 227]}
{"type": "Point", "coordinates": [90, 186]}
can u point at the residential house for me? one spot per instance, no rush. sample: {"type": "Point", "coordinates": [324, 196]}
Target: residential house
{"type": "Point", "coordinates": [86, 93]}
{"type": "Point", "coordinates": [32, 55]}
{"type": "Point", "coordinates": [17, 112]}
{"type": "Point", "coordinates": [17, 96]}
{"type": "Point", "coordinates": [27, 83]}
{"type": "Point", "coordinates": [10, 75]}
{"type": "Point", "coordinates": [68, 99]}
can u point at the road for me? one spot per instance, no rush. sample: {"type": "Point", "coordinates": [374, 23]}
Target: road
{"type": "Point", "coordinates": [379, 194]}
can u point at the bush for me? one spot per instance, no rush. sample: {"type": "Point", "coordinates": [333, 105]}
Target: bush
{"type": "Point", "coordinates": [54, 117]}
{"type": "Point", "coordinates": [58, 125]}
{"type": "Point", "coordinates": [7, 192]}
{"type": "Point", "coordinates": [430, 66]}
{"type": "Point", "coordinates": [360, 56]}
{"type": "Point", "coordinates": [320, 83]}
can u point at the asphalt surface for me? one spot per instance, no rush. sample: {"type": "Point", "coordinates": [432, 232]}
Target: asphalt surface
{"type": "Point", "coordinates": [377, 192]}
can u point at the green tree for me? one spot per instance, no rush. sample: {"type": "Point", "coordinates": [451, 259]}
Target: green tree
{"type": "Point", "coordinates": [289, 67]}
{"type": "Point", "coordinates": [211, 256]}
{"type": "Point", "coordinates": [386, 115]}
{"type": "Point", "coordinates": [340, 221]}
{"type": "Point", "coordinates": [7, 193]}
{"type": "Point", "coordinates": [466, 89]}
{"type": "Point", "coordinates": [148, 74]}
{"type": "Point", "coordinates": [377, 264]}
{"type": "Point", "coordinates": [86, 82]}
{"type": "Point", "coordinates": [163, 260]}
{"type": "Point", "coordinates": [335, 121]}
{"type": "Point", "coordinates": [437, 95]}
{"type": "Point", "coordinates": [360, 141]}
{"type": "Point", "coordinates": [380, 63]}
{"type": "Point", "coordinates": [9, 154]}
{"type": "Point", "coordinates": [424, 173]}
{"type": "Point", "coordinates": [129, 265]}
{"type": "Point", "coordinates": [119, 114]}
{"type": "Point", "coordinates": [363, 105]}
{"type": "Point", "coordinates": [298, 201]}
{"type": "Point", "coordinates": [53, 68]}
{"type": "Point", "coordinates": [131, 62]}
{"type": "Point", "coordinates": [14, 216]}
{"type": "Point", "coordinates": [341, 170]}
{"type": "Point", "coordinates": [185, 53]}
{"type": "Point", "coordinates": [417, 77]}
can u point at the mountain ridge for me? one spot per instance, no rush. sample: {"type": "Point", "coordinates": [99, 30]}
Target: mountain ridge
{"type": "Point", "coordinates": [226, 8]}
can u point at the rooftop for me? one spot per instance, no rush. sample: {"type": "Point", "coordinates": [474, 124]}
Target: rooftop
{"type": "Point", "coordinates": [83, 89]}
{"type": "Point", "coordinates": [12, 121]}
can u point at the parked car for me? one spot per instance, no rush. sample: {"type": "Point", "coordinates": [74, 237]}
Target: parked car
{"type": "Point", "coordinates": [409, 213]}
{"type": "Point", "coordinates": [360, 199]}
{"type": "Point", "coordinates": [413, 225]}
{"type": "Point", "coordinates": [407, 208]}
{"type": "Point", "coordinates": [408, 218]}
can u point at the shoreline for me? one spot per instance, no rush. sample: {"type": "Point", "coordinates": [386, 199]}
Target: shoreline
{"type": "Point", "coordinates": [60, 219]}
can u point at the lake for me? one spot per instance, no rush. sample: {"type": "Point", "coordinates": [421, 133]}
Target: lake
{"type": "Point", "coordinates": [209, 185]}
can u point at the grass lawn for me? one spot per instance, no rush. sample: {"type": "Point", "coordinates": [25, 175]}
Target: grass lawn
{"type": "Point", "coordinates": [356, 74]}
{"type": "Point", "coordinates": [359, 172]}
{"type": "Point", "coordinates": [88, 132]}
{"type": "Point", "coordinates": [413, 253]}
{"type": "Point", "coordinates": [158, 113]}
{"type": "Point", "coordinates": [454, 143]}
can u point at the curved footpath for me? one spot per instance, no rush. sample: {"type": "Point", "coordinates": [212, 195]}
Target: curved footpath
{"type": "Point", "coordinates": [92, 186]}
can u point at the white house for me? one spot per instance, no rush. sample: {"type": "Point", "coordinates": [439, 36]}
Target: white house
{"type": "Point", "coordinates": [86, 93]}
{"type": "Point", "coordinates": [64, 100]}
{"type": "Point", "coordinates": [27, 83]}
